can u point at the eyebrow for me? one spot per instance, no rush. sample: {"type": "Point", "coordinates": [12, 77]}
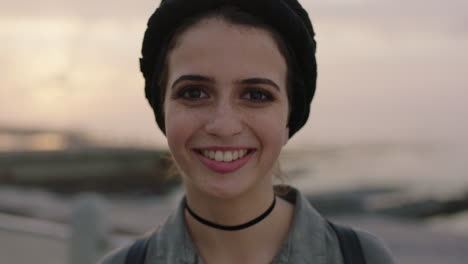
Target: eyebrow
{"type": "Point", "coordinates": [201, 78]}
{"type": "Point", "coordinates": [260, 81]}
{"type": "Point", "coordinates": [192, 77]}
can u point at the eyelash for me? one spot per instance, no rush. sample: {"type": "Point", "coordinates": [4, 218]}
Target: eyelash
{"type": "Point", "coordinates": [265, 95]}
{"type": "Point", "coordinates": [183, 93]}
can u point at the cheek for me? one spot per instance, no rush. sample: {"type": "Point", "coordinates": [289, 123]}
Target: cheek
{"type": "Point", "coordinates": [275, 134]}
{"type": "Point", "coordinates": [182, 125]}
{"type": "Point", "coordinates": [271, 127]}
{"type": "Point", "coordinates": [179, 126]}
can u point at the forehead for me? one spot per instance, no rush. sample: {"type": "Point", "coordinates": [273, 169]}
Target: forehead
{"type": "Point", "coordinates": [216, 47]}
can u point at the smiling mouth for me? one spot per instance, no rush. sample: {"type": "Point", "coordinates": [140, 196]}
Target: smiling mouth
{"type": "Point", "coordinates": [224, 156]}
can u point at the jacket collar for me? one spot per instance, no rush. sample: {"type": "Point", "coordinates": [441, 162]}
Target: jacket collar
{"type": "Point", "coordinates": [307, 236]}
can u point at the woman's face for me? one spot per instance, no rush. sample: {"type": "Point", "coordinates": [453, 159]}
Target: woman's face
{"type": "Point", "coordinates": [226, 108]}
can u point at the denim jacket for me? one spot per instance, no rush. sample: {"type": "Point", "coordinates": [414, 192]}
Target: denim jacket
{"type": "Point", "coordinates": [310, 240]}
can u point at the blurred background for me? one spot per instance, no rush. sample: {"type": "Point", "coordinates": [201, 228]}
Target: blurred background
{"type": "Point", "coordinates": [385, 148]}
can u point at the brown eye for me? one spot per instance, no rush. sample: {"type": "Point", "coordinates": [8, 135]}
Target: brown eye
{"type": "Point", "coordinates": [192, 93]}
{"type": "Point", "coordinates": [258, 95]}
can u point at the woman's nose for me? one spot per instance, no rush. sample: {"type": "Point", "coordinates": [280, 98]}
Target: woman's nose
{"type": "Point", "coordinates": [224, 121]}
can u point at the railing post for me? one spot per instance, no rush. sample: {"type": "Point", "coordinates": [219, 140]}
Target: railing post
{"type": "Point", "coordinates": [90, 232]}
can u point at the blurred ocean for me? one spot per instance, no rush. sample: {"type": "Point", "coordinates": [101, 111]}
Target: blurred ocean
{"type": "Point", "coordinates": [436, 170]}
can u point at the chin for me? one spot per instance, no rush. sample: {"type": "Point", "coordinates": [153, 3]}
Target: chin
{"type": "Point", "coordinates": [226, 192]}
{"type": "Point", "coordinates": [225, 186]}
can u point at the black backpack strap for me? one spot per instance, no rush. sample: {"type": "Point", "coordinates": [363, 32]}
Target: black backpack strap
{"type": "Point", "coordinates": [349, 244]}
{"type": "Point", "coordinates": [137, 252]}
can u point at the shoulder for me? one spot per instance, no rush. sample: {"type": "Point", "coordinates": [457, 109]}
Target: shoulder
{"type": "Point", "coordinates": [116, 256]}
{"type": "Point", "coordinates": [375, 250]}
{"type": "Point", "coordinates": [138, 246]}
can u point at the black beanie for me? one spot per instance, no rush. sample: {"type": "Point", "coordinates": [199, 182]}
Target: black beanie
{"type": "Point", "coordinates": [287, 17]}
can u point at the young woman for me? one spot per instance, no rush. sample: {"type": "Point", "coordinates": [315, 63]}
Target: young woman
{"type": "Point", "coordinates": [230, 83]}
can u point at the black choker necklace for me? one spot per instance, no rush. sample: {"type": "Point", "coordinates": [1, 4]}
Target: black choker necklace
{"type": "Point", "coordinates": [232, 228]}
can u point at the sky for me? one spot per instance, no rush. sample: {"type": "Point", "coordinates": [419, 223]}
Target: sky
{"type": "Point", "coordinates": [389, 70]}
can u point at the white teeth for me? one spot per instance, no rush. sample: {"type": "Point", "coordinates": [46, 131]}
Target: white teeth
{"type": "Point", "coordinates": [219, 156]}
{"type": "Point", "coordinates": [227, 156]}
{"type": "Point", "coordinates": [224, 156]}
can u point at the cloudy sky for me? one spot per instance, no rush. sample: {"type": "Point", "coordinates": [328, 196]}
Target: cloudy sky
{"type": "Point", "coordinates": [389, 70]}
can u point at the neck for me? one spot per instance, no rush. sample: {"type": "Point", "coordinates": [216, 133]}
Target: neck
{"type": "Point", "coordinates": [255, 241]}
{"type": "Point", "coordinates": [238, 227]}
{"type": "Point", "coordinates": [230, 211]}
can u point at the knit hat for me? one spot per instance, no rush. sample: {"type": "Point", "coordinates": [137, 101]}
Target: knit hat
{"type": "Point", "coordinates": [287, 17]}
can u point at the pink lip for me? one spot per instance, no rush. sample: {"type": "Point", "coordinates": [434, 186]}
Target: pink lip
{"type": "Point", "coordinates": [224, 167]}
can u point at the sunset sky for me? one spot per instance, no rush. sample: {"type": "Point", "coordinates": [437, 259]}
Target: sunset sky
{"type": "Point", "coordinates": [389, 70]}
